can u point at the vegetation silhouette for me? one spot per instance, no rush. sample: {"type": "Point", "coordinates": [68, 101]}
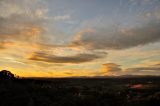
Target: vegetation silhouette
{"type": "Point", "coordinates": [4, 74]}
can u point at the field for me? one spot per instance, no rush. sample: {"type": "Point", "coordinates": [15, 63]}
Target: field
{"type": "Point", "coordinates": [124, 91]}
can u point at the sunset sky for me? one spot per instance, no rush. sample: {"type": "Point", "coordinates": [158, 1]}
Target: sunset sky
{"type": "Point", "coordinates": [72, 38]}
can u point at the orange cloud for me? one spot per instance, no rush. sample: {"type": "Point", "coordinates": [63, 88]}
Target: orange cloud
{"type": "Point", "coordinates": [111, 69]}
{"type": "Point", "coordinates": [32, 31]}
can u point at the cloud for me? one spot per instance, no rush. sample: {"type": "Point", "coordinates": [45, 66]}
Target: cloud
{"type": "Point", "coordinates": [21, 21]}
{"type": "Point", "coordinates": [62, 18]}
{"type": "Point", "coordinates": [78, 58]}
{"type": "Point", "coordinates": [34, 7]}
{"type": "Point", "coordinates": [118, 38]}
{"type": "Point", "coordinates": [4, 44]}
{"type": "Point", "coordinates": [111, 69]}
{"type": "Point", "coordinates": [115, 69]}
{"type": "Point", "coordinates": [1, 46]}
{"type": "Point", "coordinates": [144, 69]}
{"type": "Point", "coordinates": [158, 65]}
{"type": "Point", "coordinates": [157, 13]}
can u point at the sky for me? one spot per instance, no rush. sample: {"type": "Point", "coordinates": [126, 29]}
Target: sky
{"type": "Point", "coordinates": [75, 38]}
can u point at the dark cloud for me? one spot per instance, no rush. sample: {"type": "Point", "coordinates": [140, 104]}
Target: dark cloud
{"type": "Point", "coordinates": [2, 45]}
{"type": "Point", "coordinates": [115, 69]}
{"type": "Point", "coordinates": [122, 38]}
{"type": "Point", "coordinates": [153, 69]}
{"type": "Point", "coordinates": [140, 69]}
{"type": "Point", "coordinates": [68, 73]}
{"type": "Point", "coordinates": [156, 65]}
{"type": "Point", "coordinates": [78, 58]}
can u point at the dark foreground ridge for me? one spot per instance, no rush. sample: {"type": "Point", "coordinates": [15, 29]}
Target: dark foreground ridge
{"type": "Point", "coordinates": [134, 91]}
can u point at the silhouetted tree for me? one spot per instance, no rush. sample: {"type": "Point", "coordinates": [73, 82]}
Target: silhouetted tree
{"type": "Point", "coordinates": [4, 74]}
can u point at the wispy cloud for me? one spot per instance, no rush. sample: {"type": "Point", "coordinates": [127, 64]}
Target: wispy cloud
{"type": "Point", "coordinates": [62, 17]}
{"type": "Point", "coordinates": [21, 23]}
